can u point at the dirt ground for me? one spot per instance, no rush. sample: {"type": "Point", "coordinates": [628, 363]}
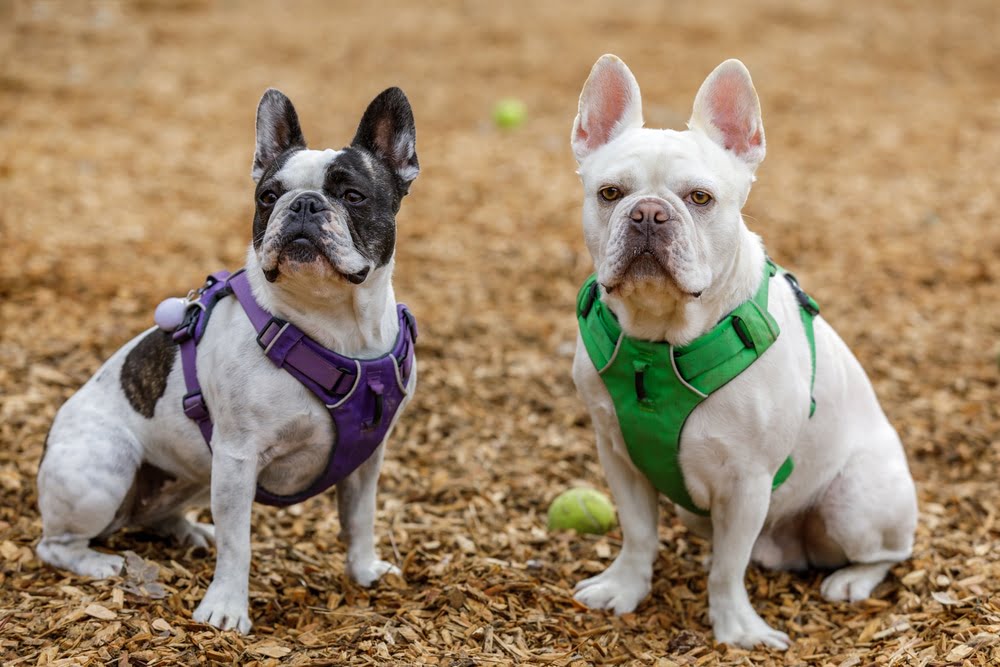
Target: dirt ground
{"type": "Point", "coordinates": [125, 146]}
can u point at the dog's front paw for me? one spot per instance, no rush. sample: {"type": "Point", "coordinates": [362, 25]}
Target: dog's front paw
{"type": "Point", "coordinates": [368, 572]}
{"type": "Point", "coordinates": [224, 609]}
{"type": "Point", "coordinates": [746, 629]}
{"type": "Point", "coordinates": [615, 589]}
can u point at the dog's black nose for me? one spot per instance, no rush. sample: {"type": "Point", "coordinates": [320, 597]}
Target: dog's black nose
{"type": "Point", "coordinates": [309, 202]}
{"type": "Point", "coordinates": [649, 211]}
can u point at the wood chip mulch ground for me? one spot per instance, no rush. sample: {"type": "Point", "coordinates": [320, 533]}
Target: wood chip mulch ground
{"type": "Point", "coordinates": [125, 147]}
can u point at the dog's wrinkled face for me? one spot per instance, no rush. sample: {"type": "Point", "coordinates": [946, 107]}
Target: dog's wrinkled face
{"type": "Point", "coordinates": [662, 208]}
{"type": "Point", "coordinates": [330, 214]}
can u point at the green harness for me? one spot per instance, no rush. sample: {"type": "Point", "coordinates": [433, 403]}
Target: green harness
{"type": "Point", "coordinates": [655, 386]}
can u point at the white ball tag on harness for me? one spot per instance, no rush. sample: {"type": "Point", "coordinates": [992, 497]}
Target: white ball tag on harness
{"type": "Point", "coordinates": [169, 315]}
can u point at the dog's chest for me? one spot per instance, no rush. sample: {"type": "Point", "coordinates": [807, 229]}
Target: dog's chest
{"type": "Point", "coordinates": [296, 451]}
{"type": "Point", "coordinates": [268, 409]}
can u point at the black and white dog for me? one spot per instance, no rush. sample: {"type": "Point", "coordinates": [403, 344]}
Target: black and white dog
{"type": "Point", "coordinates": [121, 450]}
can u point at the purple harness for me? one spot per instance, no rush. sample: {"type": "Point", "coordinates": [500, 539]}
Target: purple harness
{"type": "Point", "coordinates": [362, 395]}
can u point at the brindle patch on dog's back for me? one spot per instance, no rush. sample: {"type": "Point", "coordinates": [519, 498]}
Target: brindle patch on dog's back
{"type": "Point", "coordinates": [146, 369]}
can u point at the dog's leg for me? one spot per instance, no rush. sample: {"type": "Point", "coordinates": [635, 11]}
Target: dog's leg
{"type": "Point", "coordinates": [628, 579]}
{"type": "Point", "coordinates": [854, 582]}
{"type": "Point", "coordinates": [738, 512]}
{"type": "Point", "coordinates": [163, 512]}
{"type": "Point", "coordinates": [186, 531]}
{"type": "Point", "coordinates": [869, 514]}
{"type": "Point", "coordinates": [781, 546]}
{"type": "Point", "coordinates": [81, 489]}
{"type": "Point", "coordinates": [234, 481]}
{"type": "Point", "coordinates": [356, 507]}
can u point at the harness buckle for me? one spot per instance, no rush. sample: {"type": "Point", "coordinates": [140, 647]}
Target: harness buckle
{"type": "Point", "coordinates": [806, 302]}
{"type": "Point", "coordinates": [270, 332]}
{"type": "Point", "coordinates": [195, 407]}
{"type": "Point", "coordinates": [186, 330]}
{"type": "Point", "coordinates": [345, 375]}
{"type": "Point", "coordinates": [740, 327]}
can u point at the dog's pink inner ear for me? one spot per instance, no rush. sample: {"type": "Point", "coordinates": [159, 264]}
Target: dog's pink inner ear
{"type": "Point", "coordinates": [612, 98]}
{"type": "Point", "coordinates": [608, 98]}
{"type": "Point", "coordinates": [733, 109]}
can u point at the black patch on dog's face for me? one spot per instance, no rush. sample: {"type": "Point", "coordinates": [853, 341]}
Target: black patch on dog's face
{"type": "Point", "coordinates": [372, 221]}
{"type": "Point", "coordinates": [146, 370]}
{"type": "Point", "coordinates": [268, 183]}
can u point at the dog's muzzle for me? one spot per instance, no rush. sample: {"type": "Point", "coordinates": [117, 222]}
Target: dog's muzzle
{"type": "Point", "coordinates": [305, 237]}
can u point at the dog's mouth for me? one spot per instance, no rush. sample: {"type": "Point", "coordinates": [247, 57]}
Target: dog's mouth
{"type": "Point", "coordinates": [301, 250]}
{"type": "Point", "coordinates": [646, 266]}
{"type": "Point", "coordinates": [304, 250]}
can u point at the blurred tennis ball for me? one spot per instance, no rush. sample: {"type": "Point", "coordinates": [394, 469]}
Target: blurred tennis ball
{"type": "Point", "coordinates": [509, 113]}
{"type": "Point", "coordinates": [582, 510]}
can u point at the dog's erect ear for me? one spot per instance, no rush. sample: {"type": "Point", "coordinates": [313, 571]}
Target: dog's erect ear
{"type": "Point", "coordinates": [388, 131]}
{"type": "Point", "coordinates": [609, 104]}
{"type": "Point", "coordinates": [728, 111]}
{"type": "Point", "coordinates": [277, 130]}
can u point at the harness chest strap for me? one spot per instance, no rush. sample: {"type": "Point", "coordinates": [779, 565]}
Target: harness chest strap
{"type": "Point", "coordinates": [361, 396]}
{"type": "Point", "coordinates": [655, 386]}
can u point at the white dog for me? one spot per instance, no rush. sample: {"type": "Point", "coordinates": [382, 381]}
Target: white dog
{"type": "Point", "coordinates": [674, 260]}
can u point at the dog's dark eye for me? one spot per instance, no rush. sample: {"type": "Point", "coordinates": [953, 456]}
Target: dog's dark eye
{"type": "Point", "coordinates": [354, 197]}
{"type": "Point", "coordinates": [699, 197]}
{"type": "Point", "coordinates": [268, 197]}
{"type": "Point", "coordinates": [610, 193]}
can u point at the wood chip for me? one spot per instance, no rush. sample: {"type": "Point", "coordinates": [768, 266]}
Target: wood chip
{"type": "Point", "coordinates": [160, 625]}
{"type": "Point", "coordinates": [270, 650]}
{"type": "Point", "coordinates": [99, 611]}
{"type": "Point", "coordinates": [125, 135]}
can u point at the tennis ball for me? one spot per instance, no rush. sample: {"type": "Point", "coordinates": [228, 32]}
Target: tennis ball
{"type": "Point", "coordinates": [509, 113]}
{"type": "Point", "coordinates": [583, 510]}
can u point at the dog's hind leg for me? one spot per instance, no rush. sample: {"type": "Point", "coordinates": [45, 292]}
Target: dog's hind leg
{"type": "Point", "coordinates": [186, 531]}
{"type": "Point", "coordinates": [865, 520]}
{"type": "Point", "coordinates": [83, 486]}
{"type": "Point", "coordinates": [159, 503]}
